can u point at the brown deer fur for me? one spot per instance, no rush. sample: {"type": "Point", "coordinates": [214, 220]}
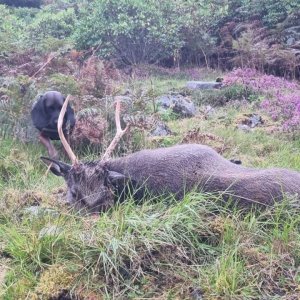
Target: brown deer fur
{"type": "Point", "coordinates": [173, 170]}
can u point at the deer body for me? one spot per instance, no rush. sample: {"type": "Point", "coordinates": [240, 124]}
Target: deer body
{"type": "Point", "coordinates": [184, 168]}
{"type": "Point", "coordinates": [176, 170]}
{"type": "Point", "coordinates": [173, 170]}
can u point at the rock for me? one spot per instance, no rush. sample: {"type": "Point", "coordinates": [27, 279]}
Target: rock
{"type": "Point", "coordinates": [203, 85]}
{"type": "Point", "coordinates": [208, 111]}
{"type": "Point", "coordinates": [244, 127]}
{"type": "Point", "coordinates": [291, 35]}
{"type": "Point", "coordinates": [161, 129]}
{"type": "Point", "coordinates": [290, 41]}
{"type": "Point", "coordinates": [196, 294]}
{"type": "Point", "coordinates": [38, 211]}
{"type": "Point", "coordinates": [50, 231]}
{"type": "Point", "coordinates": [252, 120]}
{"type": "Point", "coordinates": [180, 105]}
{"type": "Point", "coordinates": [255, 120]}
{"type": "Point", "coordinates": [249, 121]}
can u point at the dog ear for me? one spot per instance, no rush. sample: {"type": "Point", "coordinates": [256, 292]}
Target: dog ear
{"type": "Point", "coordinates": [38, 113]}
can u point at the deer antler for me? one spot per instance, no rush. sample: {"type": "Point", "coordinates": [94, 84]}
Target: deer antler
{"type": "Point", "coordinates": [66, 145]}
{"type": "Point", "coordinates": [120, 132]}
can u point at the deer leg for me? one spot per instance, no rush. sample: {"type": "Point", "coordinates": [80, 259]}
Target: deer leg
{"type": "Point", "coordinates": [50, 148]}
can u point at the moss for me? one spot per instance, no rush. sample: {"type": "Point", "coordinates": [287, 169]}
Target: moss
{"type": "Point", "coordinates": [53, 282]}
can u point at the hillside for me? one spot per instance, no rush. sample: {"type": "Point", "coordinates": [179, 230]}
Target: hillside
{"type": "Point", "coordinates": [150, 54]}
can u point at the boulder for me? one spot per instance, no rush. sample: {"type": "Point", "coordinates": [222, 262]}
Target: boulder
{"type": "Point", "coordinates": [203, 85]}
{"type": "Point", "coordinates": [161, 129]}
{"type": "Point", "coordinates": [180, 105]}
{"type": "Point", "coordinates": [291, 36]}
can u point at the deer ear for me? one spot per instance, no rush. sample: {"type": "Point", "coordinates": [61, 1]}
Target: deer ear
{"type": "Point", "coordinates": [115, 177]}
{"type": "Point", "coordinates": [57, 167]}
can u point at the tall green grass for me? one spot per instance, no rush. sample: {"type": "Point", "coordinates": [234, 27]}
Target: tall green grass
{"type": "Point", "coordinates": [159, 249]}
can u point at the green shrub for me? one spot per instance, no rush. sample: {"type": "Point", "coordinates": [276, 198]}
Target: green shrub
{"type": "Point", "coordinates": [11, 29]}
{"type": "Point", "coordinates": [19, 94]}
{"type": "Point", "coordinates": [66, 84]}
{"type": "Point", "coordinates": [134, 31]}
{"type": "Point", "coordinates": [222, 96]}
{"type": "Point", "coordinates": [22, 3]}
{"type": "Point", "coordinates": [56, 24]}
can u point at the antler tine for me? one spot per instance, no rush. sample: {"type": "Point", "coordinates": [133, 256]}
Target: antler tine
{"type": "Point", "coordinates": [120, 132]}
{"type": "Point", "coordinates": [66, 145]}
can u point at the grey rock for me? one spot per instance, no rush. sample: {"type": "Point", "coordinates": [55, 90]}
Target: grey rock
{"type": "Point", "coordinates": [208, 111]}
{"type": "Point", "coordinates": [203, 85]}
{"type": "Point", "coordinates": [290, 41]}
{"type": "Point", "coordinates": [197, 294]}
{"type": "Point", "coordinates": [38, 211]}
{"type": "Point", "coordinates": [291, 35]}
{"type": "Point", "coordinates": [50, 231]}
{"type": "Point", "coordinates": [161, 129]}
{"type": "Point", "coordinates": [180, 105]}
{"type": "Point", "coordinates": [244, 127]}
{"type": "Point", "coordinates": [253, 120]}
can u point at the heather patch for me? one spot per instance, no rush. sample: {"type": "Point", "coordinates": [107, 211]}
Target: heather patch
{"type": "Point", "coordinates": [279, 97]}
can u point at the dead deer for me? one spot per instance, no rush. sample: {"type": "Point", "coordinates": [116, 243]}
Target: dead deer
{"type": "Point", "coordinates": [174, 170]}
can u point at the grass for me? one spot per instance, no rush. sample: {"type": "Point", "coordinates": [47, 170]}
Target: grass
{"type": "Point", "coordinates": [199, 247]}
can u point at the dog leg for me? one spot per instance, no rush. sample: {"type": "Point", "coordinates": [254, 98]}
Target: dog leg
{"type": "Point", "coordinates": [50, 148]}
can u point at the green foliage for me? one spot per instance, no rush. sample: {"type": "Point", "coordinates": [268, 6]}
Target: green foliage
{"type": "Point", "coordinates": [135, 31]}
{"type": "Point", "coordinates": [17, 94]}
{"type": "Point", "coordinates": [148, 31]}
{"type": "Point", "coordinates": [220, 97]}
{"type": "Point", "coordinates": [271, 12]}
{"type": "Point", "coordinates": [22, 3]}
{"type": "Point", "coordinates": [47, 23]}
{"type": "Point", "coordinates": [159, 247]}
{"type": "Point", "coordinates": [165, 32]}
{"type": "Point", "coordinates": [11, 30]}
{"type": "Point", "coordinates": [66, 84]}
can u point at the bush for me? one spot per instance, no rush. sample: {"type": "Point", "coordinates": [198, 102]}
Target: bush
{"type": "Point", "coordinates": [11, 29]}
{"type": "Point", "coordinates": [224, 95]}
{"type": "Point", "coordinates": [66, 84]}
{"type": "Point", "coordinates": [22, 3]}
{"type": "Point", "coordinates": [16, 97]}
{"type": "Point", "coordinates": [58, 25]}
{"type": "Point", "coordinates": [133, 31]}
{"type": "Point", "coordinates": [280, 97]}
{"type": "Point", "coordinates": [269, 11]}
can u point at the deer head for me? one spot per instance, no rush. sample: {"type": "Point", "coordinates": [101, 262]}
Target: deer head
{"type": "Point", "coordinates": [90, 185]}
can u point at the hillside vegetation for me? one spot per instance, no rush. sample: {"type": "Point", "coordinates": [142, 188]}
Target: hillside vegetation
{"type": "Point", "coordinates": [200, 247]}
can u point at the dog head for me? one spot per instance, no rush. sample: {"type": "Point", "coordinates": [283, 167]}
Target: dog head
{"type": "Point", "coordinates": [45, 111]}
{"type": "Point", "coordinates": [52, 102]}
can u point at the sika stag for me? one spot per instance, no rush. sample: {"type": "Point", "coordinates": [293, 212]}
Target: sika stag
{"type": "Point", "coordinates": [176, 170]}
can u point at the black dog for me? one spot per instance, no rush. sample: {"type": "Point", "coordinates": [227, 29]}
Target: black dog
{"type": "Point", "coordinates": [44, 114]}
